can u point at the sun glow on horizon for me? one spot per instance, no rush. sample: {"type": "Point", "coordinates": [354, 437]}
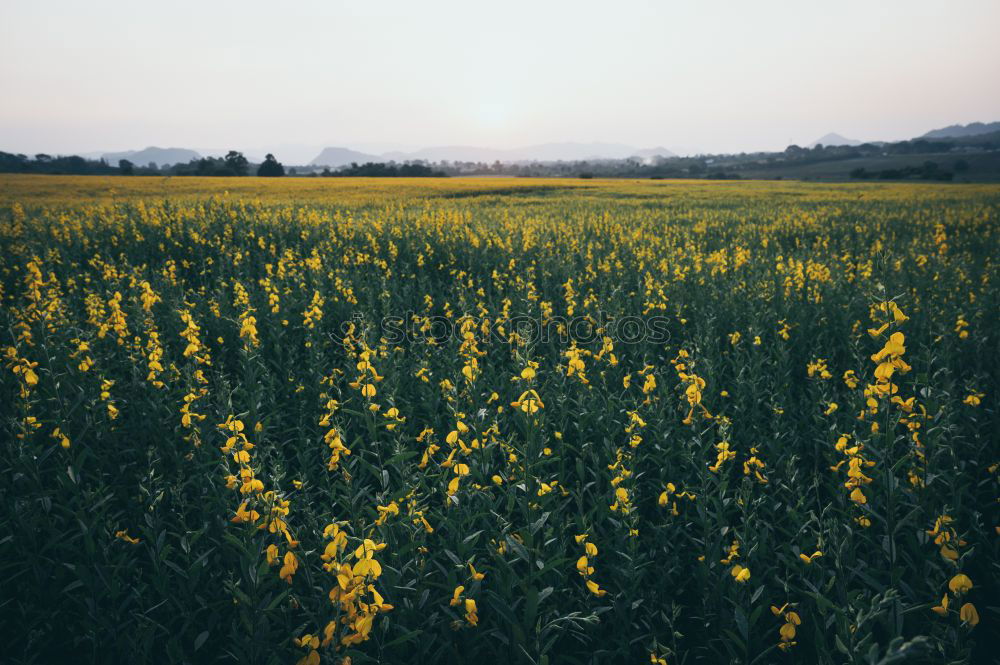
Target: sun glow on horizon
{"type": "Point", "coordinates": [493, 115]}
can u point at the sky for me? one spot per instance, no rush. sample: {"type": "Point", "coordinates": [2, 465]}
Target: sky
{"type": "Point", "coordinates": [694, 77]}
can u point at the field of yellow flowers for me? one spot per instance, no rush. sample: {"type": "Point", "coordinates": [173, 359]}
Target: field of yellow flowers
{"type": "Point", "coordinates": [498, 420]}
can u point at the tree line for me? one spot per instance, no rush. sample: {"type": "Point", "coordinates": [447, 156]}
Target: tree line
{"type": "Point", "coordinates": [983, 153]}
{"type": "Point", "coordinates": [233, 164]}
{"type": "Point", "coordinates": [382, 170]}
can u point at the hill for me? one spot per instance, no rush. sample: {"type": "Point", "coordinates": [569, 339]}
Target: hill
{"type": "Point", "coordinates": [542, 152]}
{"type": "Point", "coordinates": [162, 156]}
{"type": "Point", "coordinates": [553, 152]}
{"type": "Point", "coordinates": [342, 157]}
{"type": "Point", "coordinates": [654, 153]}
{"type": "Point", "coordinates": [962, 131]}
{"type": "Point", "coordinates": [834, 139]}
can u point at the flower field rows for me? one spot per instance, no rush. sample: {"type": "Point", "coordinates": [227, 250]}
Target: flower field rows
{"type": "Point", "coordinates": [499, 421]}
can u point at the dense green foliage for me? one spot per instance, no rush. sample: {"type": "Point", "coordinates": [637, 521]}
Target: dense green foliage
{"type": "Point", "coordinates": [136, 332]}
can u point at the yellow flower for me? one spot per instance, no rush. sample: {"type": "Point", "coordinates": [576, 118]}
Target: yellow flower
{"type": "Point", "coordinates": [244, 515]}
{"type": "Point", "coordinates": [942, 609]}
{"type": "Point", "coordinates": [969, 615]}
{"type": "Point", "coordinates": [876, 332]}
{"type": "Point", "coordinates": [546, 488]}
{"type": "Point", "coordinates": [471, 612]}
{"type": "Point", "coordinates": [291, 564]}
{"type": "Point", "coordinates": [366, 550]}
{"type": "Point", "coordinates": [308, 641]}
{"type": "Point", "coordinates": [973, 399]}
{"type": "Point", "coordinates": [62, 438]}
{"type": "Point", "coordinates": [808, 559]}
{"type": "Point", "coordinates": [386, 511]}
{"type": "Point", "coordinates": [949, 553]}
{"type": "Point", "coordinates": [850, 379]}
{"type": "Point", "coordinates": [740, 573]}
{"type": "Point", "coordinates": [529, 402]}
{"type": "Point", "coordinates": [960, 583]}
{"type": "Point", "coordinates": [123, 535]}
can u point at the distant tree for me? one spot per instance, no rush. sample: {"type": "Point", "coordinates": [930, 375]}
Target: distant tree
{"type": "Point", "coordinates": [153, 166]}
{"type": "Point", "coordinates": [13, 163]}
{"type": "Point", "coordinates": [381, 170]}
{"type": "Point", "coordinates": [961, 166]}
{"type": "Point", "coordinates": [271, 168]}
{"type": "Point", "coordinates": [236, 163]}
{"type": "Point", "coordinates": [202, 166]}
{"type": "Point", "coordinates": [43, 158]}
{"type": "Point", "coordinates": [77, 165]}
{"type": "Point", "coordinates": [126, 167]}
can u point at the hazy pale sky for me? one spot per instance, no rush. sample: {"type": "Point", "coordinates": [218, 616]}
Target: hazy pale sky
{"type": "Point", "coordinates": [705, 76]}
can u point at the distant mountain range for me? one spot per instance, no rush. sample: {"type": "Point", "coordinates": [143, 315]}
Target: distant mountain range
{"type": "Point", "coordinates": [298, 154]}
{"type": "Point", "coordinates": [950, 132]}
{"type": "Point", "coordinates": [834, 140]}
{"type": "Point", "coordinates": [961, 131]}
{"type": "Point", "coordinates": [545, 152]}
{"type": "Point", "coordinates": [162, 156]}
{"type": "Point", "coordinates": [341, 157]}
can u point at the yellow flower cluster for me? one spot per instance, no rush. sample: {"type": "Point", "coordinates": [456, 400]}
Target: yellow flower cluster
{"type": "Point", "coordinates": [584, 567]}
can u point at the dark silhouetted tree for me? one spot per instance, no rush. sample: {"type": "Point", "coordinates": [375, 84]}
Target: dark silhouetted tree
{"type": "Point", "coordinates": [271, 168]}
{"type": "Point", "coordinates": [126, 167]}
{"type": "Point", "coordinates": [203, 166]}
{"type": "Point", "coordinates": [237, 163]}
